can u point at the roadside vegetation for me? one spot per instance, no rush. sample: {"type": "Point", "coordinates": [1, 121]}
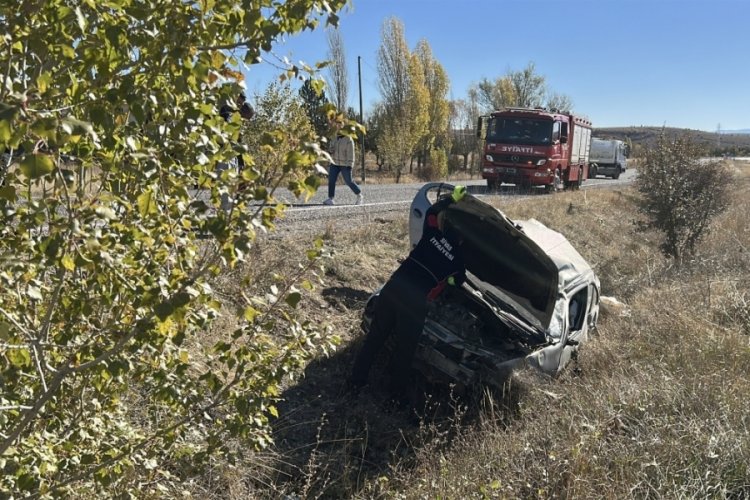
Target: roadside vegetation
{"type": "Point", "coordinates": [654, 407]}
{"type": "Point", "coordinates": [152, 337]}
{"type": "Point", "coordinates": [109, 386]}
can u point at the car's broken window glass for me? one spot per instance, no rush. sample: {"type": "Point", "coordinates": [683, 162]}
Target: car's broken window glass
{"type": "Point", "coordinates": [577, 309]}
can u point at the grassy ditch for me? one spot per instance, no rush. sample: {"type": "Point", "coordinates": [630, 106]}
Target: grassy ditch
{"type": "Point", "coordinates": [655, 406]}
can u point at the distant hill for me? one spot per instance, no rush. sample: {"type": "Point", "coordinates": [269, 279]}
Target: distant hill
{"type": "Point", "coordinates": [741, 131]}
{"type": "Point", "coordinates": [734, 143]}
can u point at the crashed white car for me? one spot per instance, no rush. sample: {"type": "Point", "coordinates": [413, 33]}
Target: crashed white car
{"type": "Point", "coordinates": [529, 299]}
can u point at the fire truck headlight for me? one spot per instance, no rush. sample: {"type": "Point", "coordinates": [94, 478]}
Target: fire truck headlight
{"type": "Point", "coordinates": [489, 158]}
{"type": "Point", "coordinates": [541, 162]}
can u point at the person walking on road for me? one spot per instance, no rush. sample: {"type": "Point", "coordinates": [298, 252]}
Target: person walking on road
{"type": "Point", "coordinates": [435, 262]}
{"type": "Point", "coordinates": [342, 162]}
{"type": "Point", "coordinates": [226, 111]}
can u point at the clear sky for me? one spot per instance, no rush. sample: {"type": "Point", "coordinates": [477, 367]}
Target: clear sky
{"type": "Point", "coordinates": [683, 63]}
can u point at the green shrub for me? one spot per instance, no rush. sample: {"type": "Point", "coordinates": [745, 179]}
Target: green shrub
{"type": "Point", "coordinates": [681, 193]}
{"type": "Point", "coordinates": [107, 256]}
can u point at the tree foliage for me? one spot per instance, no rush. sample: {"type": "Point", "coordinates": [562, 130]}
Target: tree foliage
{"type": "Point", "coordinates": [438, 109]}
{"type": "Point", "coordinates": [520, 88]}
{"type": "Point", "coordinates": [375, 124]}
{"type": "Point", "coordinates": [405, 97]}
{"type": "Point", "coordinates": [680, 193]}
{"type": "Point", "coordinates": [495, 94]}
{"type": "Point", "coordinates": [107, 256]}
{"type": "Point", "coordinates": [314, 101]}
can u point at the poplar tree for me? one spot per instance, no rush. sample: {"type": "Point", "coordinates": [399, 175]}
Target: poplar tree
{"type": "Point", "coordinates": [437, 136]}
{"type": "Point", "coordinates": [405, 97]}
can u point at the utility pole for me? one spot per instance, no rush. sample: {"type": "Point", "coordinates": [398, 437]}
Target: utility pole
{"type": "Point", "coordinates": [361, 116]}
{"type": "Point", "coordinates": [718, 135]}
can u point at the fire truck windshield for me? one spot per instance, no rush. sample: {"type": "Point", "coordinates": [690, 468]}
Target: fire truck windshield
{"type": "Point", "coordinates": [519, 131]}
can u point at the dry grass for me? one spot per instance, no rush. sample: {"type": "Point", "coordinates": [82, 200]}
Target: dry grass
{"type": "Point", "coordinates": [655, 407]}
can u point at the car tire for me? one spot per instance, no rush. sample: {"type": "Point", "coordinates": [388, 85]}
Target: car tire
{"type": "Point", "coordinates": [616, 175]}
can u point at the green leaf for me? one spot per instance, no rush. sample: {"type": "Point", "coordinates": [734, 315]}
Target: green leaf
{"type": "Point", "coordinates": [250, 313]}
{"type": "Point", "coordinates": [67, 51]}
{"type": "Point", "coordinates": [146, 203]}
{"type": "Point", "coordinates": [75, 127]}
{"type": "Point", "coordinates": [45, 127]}
{"type": "Point", "coordinates": [68, 262]}
{"type": "Point", "coordinates": [4, 331]}
{"type": "Point", "coordinates": [5, 132]}
{"type": "Point", "coordinates": [318, 86]}
{"type": "Point", "coordinates": [293, 299]}
{"type": "Point", "coordinates": [8, 193]}
{"type": "Point", "coordinates": [43, 82]}
{"type": "Point", "coordinates": [19, 357]}
{"type": "Point", "coordinates": [37, 165]}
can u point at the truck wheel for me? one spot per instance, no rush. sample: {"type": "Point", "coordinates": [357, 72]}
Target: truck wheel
{"type": "Point", "coordinates": [492, 185]}
{"type": "Point", "coordinates": [592, 173]}
{"type": "Point", "coordinates": [616, 175]}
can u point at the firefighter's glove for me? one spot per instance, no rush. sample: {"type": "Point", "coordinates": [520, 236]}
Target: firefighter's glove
{"type": "Point", "coordinates": [458, 193]}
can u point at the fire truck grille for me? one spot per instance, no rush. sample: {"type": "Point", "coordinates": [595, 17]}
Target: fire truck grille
{"type": "Point", "coordinates": [513, 159]}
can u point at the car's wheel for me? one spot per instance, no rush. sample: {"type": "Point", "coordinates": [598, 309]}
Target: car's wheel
{"type": "Point", "coordinates": [616, 175]}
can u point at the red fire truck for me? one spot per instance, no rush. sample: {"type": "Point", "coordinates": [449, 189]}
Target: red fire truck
{"type": "Point", "coordinates": [535, 147]}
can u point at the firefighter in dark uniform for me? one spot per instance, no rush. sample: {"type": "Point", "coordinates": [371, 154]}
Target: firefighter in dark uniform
{"type": "Point", "coordinates": [436, 261]}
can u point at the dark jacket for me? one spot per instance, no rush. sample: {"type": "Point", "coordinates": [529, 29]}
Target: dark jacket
{"type": "Point", "coordinates": [436, 257]}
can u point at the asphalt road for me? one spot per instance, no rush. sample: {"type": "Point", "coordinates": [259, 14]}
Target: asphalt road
{"type": "Point", "coordinates": [389, 200]}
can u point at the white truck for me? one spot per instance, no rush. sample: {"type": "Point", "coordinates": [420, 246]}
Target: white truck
{"type": "Point", "coordinates": [607, 157]}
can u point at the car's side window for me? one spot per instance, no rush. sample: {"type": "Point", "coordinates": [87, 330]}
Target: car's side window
{"type": "Point", "coordinates": [594, 296]}
{"type": "Point", "coordinates": [577, 307]}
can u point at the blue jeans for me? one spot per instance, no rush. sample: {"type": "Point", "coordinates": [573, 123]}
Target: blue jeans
{"type": "Point", "coordinates": [333, 175]}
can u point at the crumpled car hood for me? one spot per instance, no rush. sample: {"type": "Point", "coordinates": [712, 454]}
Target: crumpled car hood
{"type": "Point", "coordinates": [522, 263]}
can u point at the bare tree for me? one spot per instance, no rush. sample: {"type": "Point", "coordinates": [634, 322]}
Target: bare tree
{"type": "Point", "coordinates": [337, 70]}
{"type": "Point", "coordinates": [463, 120]}
{"type": "Point", "coordinates": [560, 102]}
{"type": "Point", "coordinates": [393, 63]}
{"type": "Point", "coordinates": [529, 86]}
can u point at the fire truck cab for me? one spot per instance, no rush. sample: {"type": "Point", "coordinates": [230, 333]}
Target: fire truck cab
{"type": "Point", "coordinates": [535, 147]}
